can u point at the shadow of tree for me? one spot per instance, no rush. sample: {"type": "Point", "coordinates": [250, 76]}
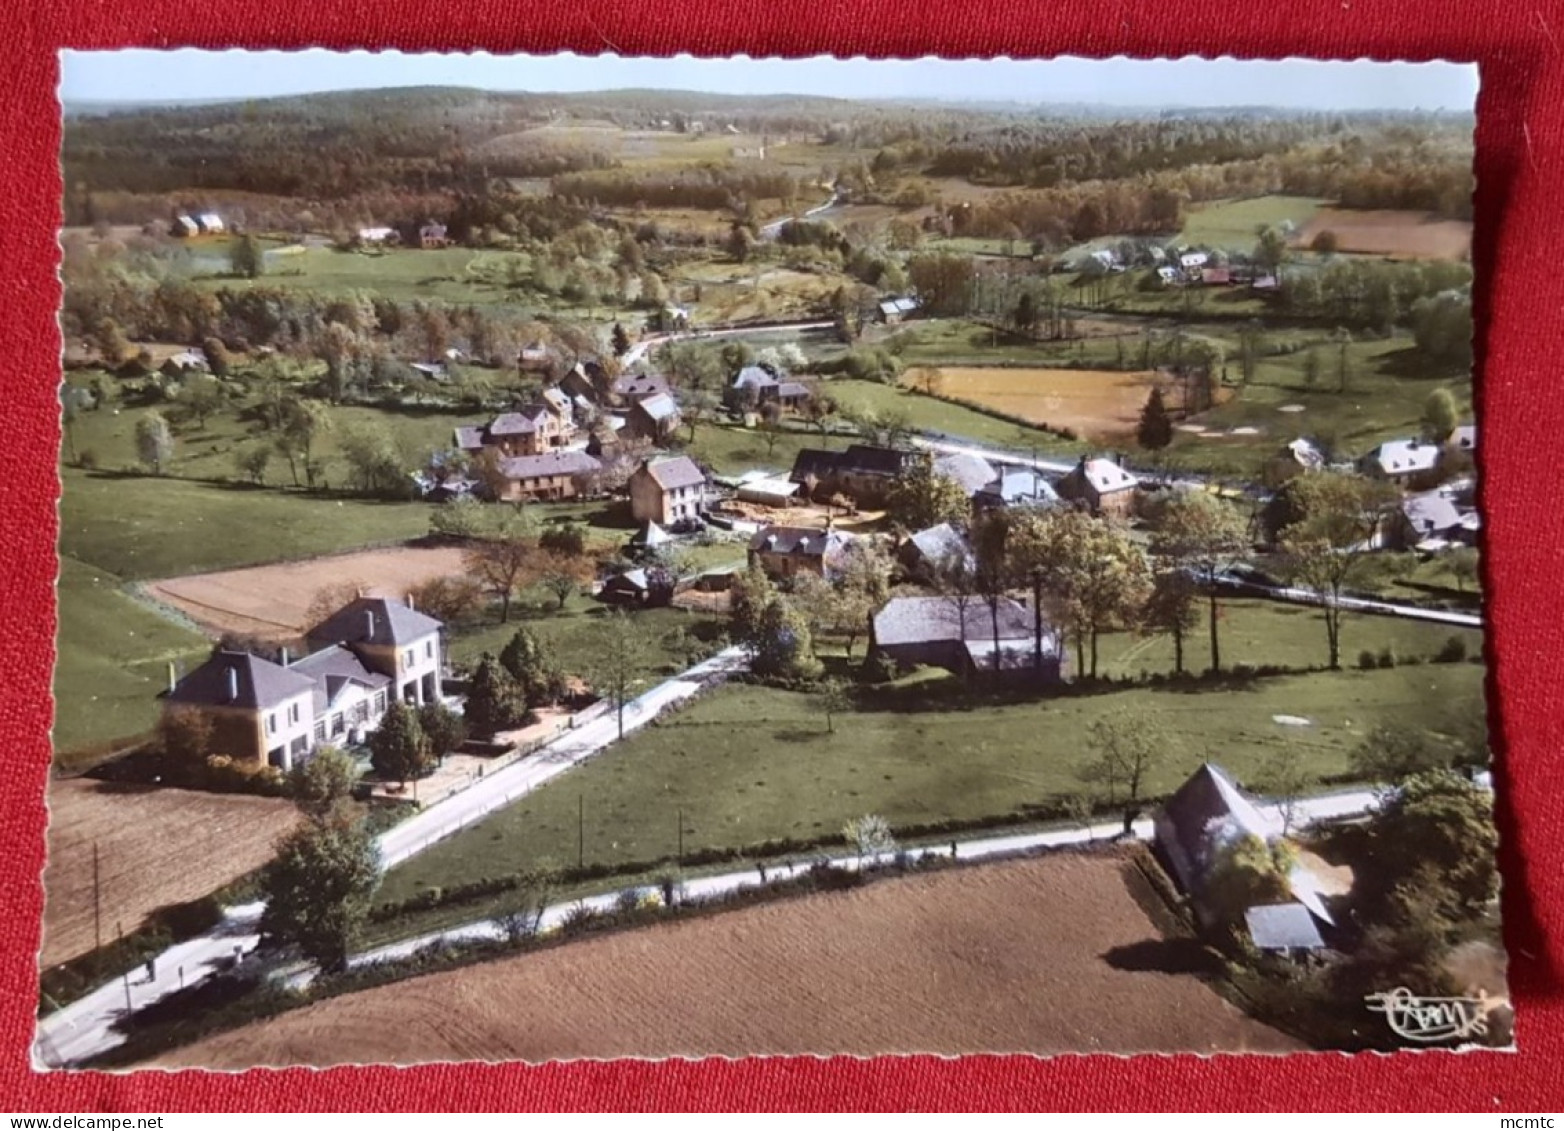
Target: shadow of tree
{"type": "Point", "coordinates": [1164, 956]}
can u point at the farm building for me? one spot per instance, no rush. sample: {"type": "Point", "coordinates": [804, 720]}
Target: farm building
{"type": "Point", "coordinates": [972, 472]}
{"type": "Point", "coordinates": [786, 551]}
{"type": "Point", "coordinates": [960, 637]}
{"type": "Point", "coordinates": [432, 235]}
{"type": "Point", "coordinates": [1413, 464]}
{"type": "Point", "coordinates": [377, 235]}
{"type": "Point", "coordinates": [768, 491]}
{"type": "Point", "coordinates": [653, 418]}
{"type": "Point", "coordinates": [637, 587]}
{"type": "Point", "coordinates": [274, 714]}
{"type": "Point", "coordinates": [751, 387]}
{"type": "Point", "coordinates": [670, 491]}
{"type": "Point", "coordinates": [894, 310]}
{"type": "Point", "coordinates": [630, 388]}
{"type": "Point", "coordinates": [1427, 521]}
{"type": "Point", "coordinates": [1102, 485]}
{"type": "Point", "coordinates": [549, 477]}
{"type": "Point", "coordinates": [863, 472]}
{"type": "Point", "coordinates": [935, 550]}
{"type": "Point", "coordinates": [1204, 821]}
{"type": "Point", "coordinates": [1016, 487]}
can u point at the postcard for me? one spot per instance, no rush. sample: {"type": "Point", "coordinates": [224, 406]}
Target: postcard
{"type": "Point", "coordinates": [622, 557]}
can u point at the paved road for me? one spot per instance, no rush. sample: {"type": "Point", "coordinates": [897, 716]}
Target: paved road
{"type": "Point", "coordinates": [1330, 806]}
{"type": "Point", "coordinates": [638, 352]}
{"type": "Point", "coordinates": [83, 1029]}
{"type": "Point", "coordinates": [772, 230]}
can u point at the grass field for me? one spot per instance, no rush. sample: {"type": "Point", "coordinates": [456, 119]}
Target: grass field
{"type": "Point", "coordinates": [1098, 404]}
{"type": "Point", "coordinates": [946, 962]}
{"type": "Point", "coordinates": [1233, 224]}
{"type": "Point", "coordinates": [730, 449]}
{"type": "Point", "coordinates": [749, 764]}
{"type": "Point", "coordinates": [113, 656]}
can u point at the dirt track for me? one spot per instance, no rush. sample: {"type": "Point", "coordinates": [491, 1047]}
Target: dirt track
{"type": "Point", "coordinates": [1021, 956]}
{"type": "Point", "coordinates": [273, 600]}
{"type": "Point", "coordinates": [155, 847]}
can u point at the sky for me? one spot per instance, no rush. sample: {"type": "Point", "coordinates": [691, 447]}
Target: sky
{"type": "Point", "coordinates": [188, 74]}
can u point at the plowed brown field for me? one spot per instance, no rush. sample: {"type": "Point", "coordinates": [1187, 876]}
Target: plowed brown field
{"type": "Point", "coordinates": [155, 847]}
{"type": "Point", "coordinates": [1402, 235]}
{"type": "Point", "coordinates": [1097, 403]}
{"type": "Point", "coordinates": [272, 600]}
{"type": "Point", "coordinates": [1045, 955]}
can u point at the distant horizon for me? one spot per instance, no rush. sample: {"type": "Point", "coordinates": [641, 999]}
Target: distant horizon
{"type": "Point", "coordinates": [189, 76]}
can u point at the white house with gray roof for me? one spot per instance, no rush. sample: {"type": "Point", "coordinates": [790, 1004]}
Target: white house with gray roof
{"type": "Point", "coordinates": [960, 636]}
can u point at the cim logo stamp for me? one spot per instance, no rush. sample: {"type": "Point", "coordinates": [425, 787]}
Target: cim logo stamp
{"type": "Point", "coordinates": [1430, 1019]}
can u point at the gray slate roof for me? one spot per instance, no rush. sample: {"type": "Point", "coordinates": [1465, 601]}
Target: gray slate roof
{"type": "Point", "coordinates": [972, 472]}
{"type": "Point", "coordinates": [256, 683]}
{"type": "Point", "coordinates": [671, 474]}
{"type": "Point", "coordinates": [940, 543]}
{"type": "Point", "coordinates": [801, 540]}
{"type": "Point", "coordinates": [754, 377]}
{"type": "Point", "coordinates": [1431, 513]}
{"type": "Point", "coordinates": [922, 620]}
{"type": "Point", "coordinates": [374, 620]}
{"type": "Point", "coordinates": [333, 669]}
{"type": "Point", "coordinates": [1018, 486]}
{"type": "Point", "coordinates": [1283, 926]}
{"type": "Point", "coordinates": [635, 386]}
{"type": "Point", "coordinates": [660, 407]}
{"type": "Point", "coordinates": [549, 463]}
{"type": "Point", "coordinates": [1403, 457]}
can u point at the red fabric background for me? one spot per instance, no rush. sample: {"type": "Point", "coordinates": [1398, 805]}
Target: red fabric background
{"type": "Point", "coordinates": [1521, 278]}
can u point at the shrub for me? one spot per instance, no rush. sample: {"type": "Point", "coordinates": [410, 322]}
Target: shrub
{"type": "Point", "coordinates": [1452, 651]}
{"type": "Point", "coordinates": [1366, 660]}
{"type": "Point", "coordinates": [1387, 657]}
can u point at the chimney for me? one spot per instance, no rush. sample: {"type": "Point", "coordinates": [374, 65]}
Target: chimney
{"type": "Point", "coordinates": [369, 624]}
{"type": "Point", "coordinates": [285, 655]}
{"type": "Point", "coordinates": [233, 683]}
{"type": "Point", "coordinates": [173, 678]}
{"type": "Point", "coordinates": [410, 602]}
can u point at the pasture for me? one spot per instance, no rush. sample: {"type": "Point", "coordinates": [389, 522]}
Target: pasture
{"type": "Point", "coordinates": [1234, 224]}
{"type": "Point", "coordinates": [1396, 235]}
{"type": "Point", "coordinates": [945, 962]}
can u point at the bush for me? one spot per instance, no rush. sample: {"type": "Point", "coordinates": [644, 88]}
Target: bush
{"type": "Point", "coordinates": [1366, 660]}
{"type": "Point", "coordinates": [879, 668]}
{"type": "Point", "coordinates": [1387, 657]}
{"type": "Point", "coordinates": [1452, 651]}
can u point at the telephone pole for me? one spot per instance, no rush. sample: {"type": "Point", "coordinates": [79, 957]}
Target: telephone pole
{"type": "Point", "coordinates": [97, 902]}
{"type": "Point", "coordinates": [580, 830]}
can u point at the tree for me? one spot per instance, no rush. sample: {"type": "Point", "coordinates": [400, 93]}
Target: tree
{"type": "Point", "coordinates": [1439, 416]}
{"type": "Point", "coordinates": [1286, 779]}
{"type": "Point", "coordinates": [1311, 367]}
{"type": "Point", "coordinates": [563, 575]}
{"type": "Point", "coordinates": [1155, 430]}
{"type": "Point", "coordinates": [869, 835]}
{"type": "Point", "coordinates": [1125, 749]}
{"type": "Point", "coordinates": [246, 258]}
{"type": "Point", "coordinates": [1343, 341]}
{"type": "Point", "coordinates": [494, 701]}
{"type": "Point", "coordinates": [154, 442]}
{"type": "Point", "coordinates": [1247, 872]}
{"type": "Point", "coordinates": [1436, 830]}
{"type": "Point", "coordinates": [305, 423]}
{"type": "Point", "coordinates": [1393, 754]}
{"type": "Point", "coordinates": [699, 406]}
{"type": "Point", "coordinates": [324, 781]}
{"type": "Point", "coordinates": [504, 564]}
{"type": "Point", "coordinates": [620, 339]}
{"type": "Point", "coordinates": [1204, 535]}
{"type": "Point", "coordinates": [921, 497]}
{"type": "Point", "coordinates": [318, 889]}
{"type": "Point", "coordinates": [1325, 242]}
{"type": "Point", "coordinates": [251, 462]}
{"type": "Point", "coordinates": [568, 539]}
{"type": "Point", "coordinates": [185, 735]}
{"type": "Point", "coordinates": [617, 661]}
{"type": "Point", "coordinates": [523, 659]}
{"type": "Point", "coordinates": [398, 747]}
{"type": "Point", "coordinates": [782, 646]}
{"type": "Point", "coordinates": [1271, 251]}
{"type": "Point", "coordinates": [460, 517]}
{"type": "Point", "coordinates": [449, 599]}
{"type": "Point", "coordinates": [834, 699]}
{"type": "Point", "coordinates": [1330, 541]}
{"type": "Point", "coordinates": [1464, 566]}
{"type": "Point", "coordinates": [750, 593]}
{"type": "Point", "coordinates": [1171, 609]}
{"type": "Point", "coordinates": [200, 397]}
{"type": "Point", "coordinates": [444, 728]}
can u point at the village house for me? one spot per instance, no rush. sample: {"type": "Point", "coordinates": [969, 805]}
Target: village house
{"type": "Point", "coordinates": [894, 310]}
{"type": "Point", "coordinates": [1102, 486]}
{"type": "Point", "coordinates": [669, 491]}
{"type": "Point", "coordinates": [1193, 264]}
{"type": "Point", "coordinates": [783, 552]}
{"type": "Point", "coordinates": [581, 382]}
{"type": "Point", "coordinates": [637, 587]}
{"type": "Point", "coordinates": [377, 235]}
{"type": "Point", "coordinates": [535, 357]}
{"type": "Point", "coordinates": [549, 477]}
{"type": "Point", "coordinates": [276, 714]}
{"type": "Point", "coordinates": [1016, 487]}
{"type": "Point", "coordinates": [432, 235]}
{"type": "Point", "coordinates": [1202, 822]}
{"type": "Point", "coordinates": [752, 387]}
{"type": "Point", "coordinates": [930, 553]}
{"type": "Point", "coordinates": [1410, 464]}
{"type": "Point", "coordinates": [1428, 521]}
{"type": "Point", "coordinates": [655, 418]}
{"type": "Point", "coordinates": [633, 387]}
{"type": "Point", "coordinates": [863, 472]}
{"type": "Point", "coordinates": [1295, 458]}
{"type": "Point", "coordinates": [959, 636]}
{"type": "Point", "coordinates": [529, 431]}
{"type": "Point", "coordinates": [973, 473]}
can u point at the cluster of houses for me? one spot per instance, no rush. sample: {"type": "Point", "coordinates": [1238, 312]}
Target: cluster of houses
{"type": "Point", "coordinates": [1177, 266]}
{"type": "Point", "coordinates": [185, 224]}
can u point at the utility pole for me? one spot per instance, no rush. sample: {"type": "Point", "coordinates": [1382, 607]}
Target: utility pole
{"type": "Point", "coordinates": [580, 830]}
{"type": "Point", "coordinates": [680, 858]}
{"type": "Point", "coordinates": [97, 902]}
{"type": "Point", "coordinates": [119, 936]}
